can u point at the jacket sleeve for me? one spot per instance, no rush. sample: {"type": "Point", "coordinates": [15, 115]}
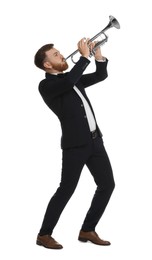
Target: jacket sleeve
{"type": "Point", "coordinates": [99, 75]}
{"type": "Point", "coordinates": [59, 86]}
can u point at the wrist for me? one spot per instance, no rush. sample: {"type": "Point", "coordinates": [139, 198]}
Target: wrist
{"type": "Point", "coordinates": [101, 58]}
{"type": "Point", "coordinates": [98, 57]}
{"type": "Point", "coordinates": [86, 56]}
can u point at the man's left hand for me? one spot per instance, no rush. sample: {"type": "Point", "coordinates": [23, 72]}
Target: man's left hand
{"type": "Point", "coordinates": [98, 54]}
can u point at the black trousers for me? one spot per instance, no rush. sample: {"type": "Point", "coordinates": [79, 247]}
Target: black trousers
{"type": "Point", "coordinates": [95, 157]}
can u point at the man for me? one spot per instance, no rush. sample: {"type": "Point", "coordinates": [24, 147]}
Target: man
{"type": "Point", "coordinates": [81, 142]}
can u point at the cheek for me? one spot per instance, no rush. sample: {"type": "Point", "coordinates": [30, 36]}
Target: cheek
{"type": "Point", "coordinates": [57, 61]}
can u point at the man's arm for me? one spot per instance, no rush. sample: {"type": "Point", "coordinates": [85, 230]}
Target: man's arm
{"type": "Point", "coordinates": [59, 86]}
{"type": "Point", "coordinates": [99, 75]}
{"type": "Point", "coordinates": [101, 69]}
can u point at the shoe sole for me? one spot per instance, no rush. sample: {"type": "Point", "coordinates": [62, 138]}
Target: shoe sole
{"type": "Point", "coordinates": [86, 240]}
{"type": "Point", "coordinates": [40, 244]}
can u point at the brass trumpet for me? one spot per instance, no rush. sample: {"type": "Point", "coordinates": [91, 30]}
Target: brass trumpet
{"type": "Point", "coordinates": [112, 23]}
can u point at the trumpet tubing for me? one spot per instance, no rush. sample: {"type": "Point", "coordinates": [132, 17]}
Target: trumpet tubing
{"type": "Point", "coordinates": [112, 23]}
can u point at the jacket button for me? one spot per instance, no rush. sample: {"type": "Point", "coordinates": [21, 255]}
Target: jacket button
{"type": "Point", "coordinates": [85, 116]}
{"type": "Point", "coordinates": [81, 105]}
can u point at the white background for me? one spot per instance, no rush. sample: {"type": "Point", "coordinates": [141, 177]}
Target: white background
{"type": "Point", "coordinates": [30, 132]}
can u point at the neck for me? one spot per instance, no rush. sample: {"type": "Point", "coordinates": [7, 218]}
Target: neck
{"type": "Point", "coordinates": [52, 71]}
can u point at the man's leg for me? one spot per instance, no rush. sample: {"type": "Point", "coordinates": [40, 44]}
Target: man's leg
{"type": "Point", "coordinates": [72, 165]}
{"type": "Point", "coordinates": [100, 168]}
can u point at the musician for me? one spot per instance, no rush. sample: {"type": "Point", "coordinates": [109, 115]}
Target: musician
{"type": "Point", "coordinates": [81, 142]}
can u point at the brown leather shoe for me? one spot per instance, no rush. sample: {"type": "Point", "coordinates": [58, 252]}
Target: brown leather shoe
{"type": "Point", "coordinates": [48, 242]}
{"type": "Point", "coordinates": [92, 237]}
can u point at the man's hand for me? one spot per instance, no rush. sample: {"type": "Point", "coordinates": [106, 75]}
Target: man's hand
{"type": "Point", "coordinates": [98, 54]}
{"type": "Point", "coordinates": [83, 47]}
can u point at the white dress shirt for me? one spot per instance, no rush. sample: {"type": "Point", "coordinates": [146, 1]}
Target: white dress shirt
{"type": "Point", "coordinates": [89, 114]}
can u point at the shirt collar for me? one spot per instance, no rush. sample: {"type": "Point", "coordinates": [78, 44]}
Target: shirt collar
{"type": "Point", "coordinates": [50, 75]}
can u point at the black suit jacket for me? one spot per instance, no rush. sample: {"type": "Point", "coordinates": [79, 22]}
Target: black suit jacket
{"type": "Point", "coordinates": [58, 93]}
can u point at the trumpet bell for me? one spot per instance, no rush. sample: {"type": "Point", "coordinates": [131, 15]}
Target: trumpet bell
{"type": "Point", "coordinates": [114, 22]}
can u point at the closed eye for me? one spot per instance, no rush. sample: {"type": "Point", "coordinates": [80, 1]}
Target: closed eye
{"type": "Point", "coordinates": [56, 54]}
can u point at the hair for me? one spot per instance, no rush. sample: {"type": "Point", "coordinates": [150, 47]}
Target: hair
{"type": "Point", "coordinates": [41, 55]}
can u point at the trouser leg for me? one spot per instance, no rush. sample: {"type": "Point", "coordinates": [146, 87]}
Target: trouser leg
{"type": "Point", "coordinates": [72, 164]}
{"type": "Point", "coordinates": [100, 167]}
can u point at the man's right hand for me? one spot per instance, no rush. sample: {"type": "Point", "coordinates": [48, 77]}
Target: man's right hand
{"type": "Point", "coordinates": [83, 47]}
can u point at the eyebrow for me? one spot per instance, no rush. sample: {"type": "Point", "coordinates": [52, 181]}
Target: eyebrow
{"type": "Point", "coordinates": [56, 52]}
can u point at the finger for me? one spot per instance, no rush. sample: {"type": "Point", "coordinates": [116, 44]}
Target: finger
{"type": "Point", "coordinates": [87, 40]}
{"type": "Point", "coordinates": [91, 45]}
{"type": "Point", "coordinates": [82, 41]}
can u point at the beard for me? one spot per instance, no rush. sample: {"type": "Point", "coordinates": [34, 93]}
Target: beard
{"type": "Point", "coordinates": [61, 66]}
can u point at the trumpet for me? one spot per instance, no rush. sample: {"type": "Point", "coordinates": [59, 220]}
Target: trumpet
{"type": "Point", "coordinates": [113, 22]}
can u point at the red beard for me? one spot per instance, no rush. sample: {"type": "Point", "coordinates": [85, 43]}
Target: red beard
{"type": "Point", "coordinates": [61, 66]}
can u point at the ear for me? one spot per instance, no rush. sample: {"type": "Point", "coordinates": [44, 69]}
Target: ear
{"type": "Point", "coordinates": [47, 65]}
